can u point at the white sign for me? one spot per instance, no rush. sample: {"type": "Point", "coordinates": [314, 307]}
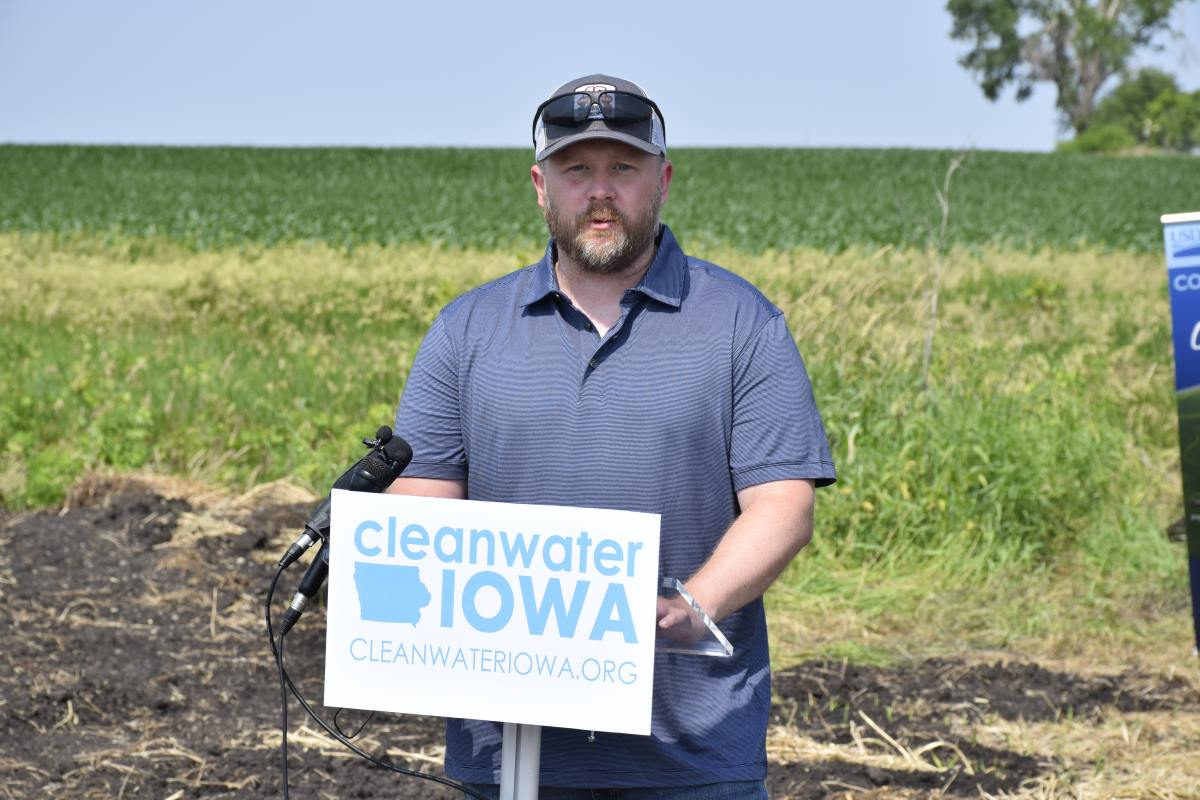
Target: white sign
{"type": "Point", "coordinates": [542, 615]}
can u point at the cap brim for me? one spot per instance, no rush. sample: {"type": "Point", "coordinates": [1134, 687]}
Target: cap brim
{"type": "Point", "coordinates": [601, 133]}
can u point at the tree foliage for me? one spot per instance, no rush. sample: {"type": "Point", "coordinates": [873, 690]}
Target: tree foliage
{"type": "Point", "coordinates": [1175, 121]}
{"type": "Point", "coordinates": [1148, 110]}
{"type": "Point", "coordinates": [1077, 45]}
{"type": "Point", "coordinates": [1127, 104]}
{"type": "Point", "coordinates": [1106, 138]}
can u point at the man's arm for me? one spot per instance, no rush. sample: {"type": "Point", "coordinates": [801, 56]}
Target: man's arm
{"type": "Point", "coordinates": [775, 523]}
{"type": "Point", "coordinates": [429, 487]}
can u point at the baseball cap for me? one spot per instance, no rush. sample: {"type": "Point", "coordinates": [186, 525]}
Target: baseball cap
{"type": "Point", "coordinates": [598, 107]}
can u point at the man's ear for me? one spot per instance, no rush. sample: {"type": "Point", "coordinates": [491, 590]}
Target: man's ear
{"type": "Point", "coordinates": [539, 184]}
{"type": "Point", "coordinates": [664, 179]}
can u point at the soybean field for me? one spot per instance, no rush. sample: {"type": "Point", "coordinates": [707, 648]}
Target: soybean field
{"type": "Point", "coordinates": [749, 199]}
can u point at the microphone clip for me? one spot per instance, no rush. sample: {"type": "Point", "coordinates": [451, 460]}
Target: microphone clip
{"type": "Point", "coordinates": [382, 437]}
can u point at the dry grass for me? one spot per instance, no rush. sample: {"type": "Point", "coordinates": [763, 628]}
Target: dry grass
{"type": "Point", "coordinates": [1135, 755]}
{"type": "Point", "coordinates": [1147, 755]}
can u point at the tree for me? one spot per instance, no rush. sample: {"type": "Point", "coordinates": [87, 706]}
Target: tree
{"type": "Point", "coordinates": [1128, 104]}
{"type": "Point", "coordinates": [1174, 121]}
{"type": "Point", "coordinates": [1077, 45]}
{"type": "Point", "coordinates": [1147, 110]}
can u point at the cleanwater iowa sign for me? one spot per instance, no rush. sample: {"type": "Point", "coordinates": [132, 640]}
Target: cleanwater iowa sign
{"type": "Point", "coordinates": [541, 615]}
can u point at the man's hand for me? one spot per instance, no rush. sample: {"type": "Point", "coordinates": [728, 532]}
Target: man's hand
{"type": "Point", "coordinates": [678, 621]}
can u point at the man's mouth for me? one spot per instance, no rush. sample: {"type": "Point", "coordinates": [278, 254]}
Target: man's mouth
{"type": "Point", "coordinates": [603, 223]}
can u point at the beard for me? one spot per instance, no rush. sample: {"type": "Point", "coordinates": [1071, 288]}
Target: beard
{"type": "Point", "coordinates": [609, 251]}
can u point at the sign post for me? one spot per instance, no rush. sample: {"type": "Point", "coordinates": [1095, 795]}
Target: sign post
{"type": "Point", "coordinates": [520, 761]}
{"type": "Point", "coordinates": [1181, 237]}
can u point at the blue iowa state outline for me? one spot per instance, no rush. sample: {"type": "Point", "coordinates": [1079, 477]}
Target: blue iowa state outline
{"type": "Point", "coordinates": [390, 592]}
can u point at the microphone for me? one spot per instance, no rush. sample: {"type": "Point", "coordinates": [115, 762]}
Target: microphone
{"type": "Point", "coordinates": [317, 571]}
{"type": "Point", "coordinates": [374, 472]}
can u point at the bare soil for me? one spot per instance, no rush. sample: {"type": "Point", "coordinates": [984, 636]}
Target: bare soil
{"type": "Point", "coordinates": [135, 664]}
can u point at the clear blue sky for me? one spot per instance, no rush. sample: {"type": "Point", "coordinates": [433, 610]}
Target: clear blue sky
{"type": "Point", "coordinates": [853, 73]}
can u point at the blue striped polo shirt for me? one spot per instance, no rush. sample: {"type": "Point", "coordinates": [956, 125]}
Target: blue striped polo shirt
{"type": "Point", "coordinates": [696, 392]}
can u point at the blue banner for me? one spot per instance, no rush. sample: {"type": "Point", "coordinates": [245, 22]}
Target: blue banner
{"type": "Point", "coordinates": [1181, 240]}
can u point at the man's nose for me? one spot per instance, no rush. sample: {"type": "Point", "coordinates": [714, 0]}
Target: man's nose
{"type": "Point", "coordinates": [601, 187]}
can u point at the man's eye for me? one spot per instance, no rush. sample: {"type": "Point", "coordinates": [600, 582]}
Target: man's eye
{"type": "Point", "coordinates": [623, 167]}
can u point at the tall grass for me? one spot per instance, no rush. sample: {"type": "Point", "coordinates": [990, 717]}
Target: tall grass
{"type": "Point", "coordinates": [1053, 410]}
{"type": "Point", "coordinates": [231, 367]}
{"type": "Point", "coordinates": [1026, 495]}
{"type": "Point", "coordinates": [1042, 464]}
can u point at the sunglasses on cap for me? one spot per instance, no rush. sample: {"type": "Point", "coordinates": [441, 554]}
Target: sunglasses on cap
{"type": "Point", "coordinates": [580, 109]}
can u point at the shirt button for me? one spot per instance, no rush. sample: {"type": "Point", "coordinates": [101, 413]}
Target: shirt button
{"type": "Point", "coordinates": [587, 326]}
{"type": "Point", "coordinates": [593, 363]}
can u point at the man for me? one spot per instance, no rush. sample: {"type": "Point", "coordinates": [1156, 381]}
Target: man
{"type": "Point", "coordinates": [620, 373]}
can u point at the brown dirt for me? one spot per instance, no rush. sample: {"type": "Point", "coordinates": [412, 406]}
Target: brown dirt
{"type": "Point", "coordinates": [135, 664]}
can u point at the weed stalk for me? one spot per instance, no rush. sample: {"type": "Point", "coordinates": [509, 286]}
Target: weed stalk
{"type": "Point", "coordinates": [937, 255]}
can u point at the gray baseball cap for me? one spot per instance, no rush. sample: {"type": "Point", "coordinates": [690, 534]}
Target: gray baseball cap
{"type": "Point", "coordinates": [598, 107]}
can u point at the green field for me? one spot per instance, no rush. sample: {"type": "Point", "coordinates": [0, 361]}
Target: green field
{"type": "Point", "coordinates": [749, 199]}
{"type": "Point", "coordinates": [238, 316]}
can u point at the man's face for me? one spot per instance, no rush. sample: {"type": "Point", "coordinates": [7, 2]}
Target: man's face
{"type": "Point", "coordinates": [601, 200]}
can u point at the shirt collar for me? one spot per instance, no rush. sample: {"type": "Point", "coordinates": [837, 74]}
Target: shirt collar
{"type": "Point", "coordinates": [664, 281]}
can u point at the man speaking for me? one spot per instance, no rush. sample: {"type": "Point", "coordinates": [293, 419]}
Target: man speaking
{"type": "Point", "coordinates": [618, 372]}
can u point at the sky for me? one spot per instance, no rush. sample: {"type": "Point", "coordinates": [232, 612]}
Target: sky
{"type": "Point", "coordinates": [806, 73]}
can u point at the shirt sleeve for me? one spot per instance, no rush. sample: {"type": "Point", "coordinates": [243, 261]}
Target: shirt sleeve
{"type": "Point", "coordinates": [777, 433]}
{"type": "Point", "coordinates": [428, 415]}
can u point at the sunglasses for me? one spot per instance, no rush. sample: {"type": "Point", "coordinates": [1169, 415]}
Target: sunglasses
{"type": "Point", "coordinates": [580, 109]}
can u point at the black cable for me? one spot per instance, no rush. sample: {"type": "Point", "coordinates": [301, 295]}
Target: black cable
{"type": "Point", "coordinates": [354, 735]}
{"type": "Point", "coordinates": [283, 726]}
{"type": "Point", "coordinates": [277, 651]}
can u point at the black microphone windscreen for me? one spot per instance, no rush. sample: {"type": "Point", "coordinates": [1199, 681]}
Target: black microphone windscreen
{"type": "Point", "coordinates": [399, 451]}
{"type": "Point", "coordinates": [374, 472]}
